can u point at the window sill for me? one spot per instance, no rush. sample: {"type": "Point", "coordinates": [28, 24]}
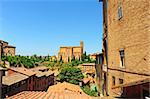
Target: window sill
{"type": "Point", "coordinates": [122, 67]}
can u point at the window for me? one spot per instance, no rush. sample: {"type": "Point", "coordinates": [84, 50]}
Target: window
{"type": "Point", "coordinates": [113, 80]}
{"type": "Point", "coordinates": [120, 12]}
{"type": "Point", "coordinates": [120, 81]}
{"type": "Point", "coordinates": [122, 62]}
{"type": "Point", "coordinates": [107, 3]}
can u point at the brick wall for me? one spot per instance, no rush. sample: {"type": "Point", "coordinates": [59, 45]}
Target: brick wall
{"type": "Point", "coordinates": [67, 53]}
{"type": "Point", "coordinates": [130, 33]}
{"type": "Point", "coordinates": [9, 51]}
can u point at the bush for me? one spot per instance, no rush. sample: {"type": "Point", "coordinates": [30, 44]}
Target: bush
{"type": "Point", "coordinates": [88, 91]}
{"type": "Point", "coordinates": [71, 74]}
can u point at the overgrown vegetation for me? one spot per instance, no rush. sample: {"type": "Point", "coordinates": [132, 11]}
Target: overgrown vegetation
{"type": "Point", "coordinates": [26, 61]}
{"type": "Point", "coordinates": [71, 74]}
{"type": "Point", "coordinates": [87, 90]}
{"type": "Point", "coordinates": [86, 58]}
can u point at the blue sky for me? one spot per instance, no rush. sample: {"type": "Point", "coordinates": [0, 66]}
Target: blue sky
{"type": "Point", "coordinates": [42, 26]}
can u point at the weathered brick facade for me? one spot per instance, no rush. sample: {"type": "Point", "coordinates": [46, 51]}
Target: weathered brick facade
{"type": "Point", "coordinates": [7, 49]}
{"type": "Point", "coordinates": [127, 30]}
{"type": "Point", "coordinates": [10, 50]}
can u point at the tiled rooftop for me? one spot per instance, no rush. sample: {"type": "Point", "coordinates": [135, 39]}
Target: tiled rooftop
{"type": "Point", "coordinates": [66, 87]}
{"type": "Point", "coordinates": [47, 95]}
{"type": "Point", "coordinates": [39, 73]}
{"type": "Point", "coordinates": [12, 79]}
{"type": "Point", "coordinates": [59, 91]}
{"type": "Point", "coordinates": [23, 70]}
{"type": "Point", "coordinates": [40, 68]}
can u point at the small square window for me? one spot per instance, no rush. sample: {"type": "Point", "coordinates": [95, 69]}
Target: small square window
{"type": "Point", "coordinates": [120, 81]}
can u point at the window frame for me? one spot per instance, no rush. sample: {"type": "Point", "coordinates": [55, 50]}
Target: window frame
{"type": "Point", "coordinates": [113, 81]}
{"type": "Point", "coordinates": [120, 12]}
{"type": "Point", "coordinates": [122, 58]}
{"type": "Point", "coordinates": [121, 81]}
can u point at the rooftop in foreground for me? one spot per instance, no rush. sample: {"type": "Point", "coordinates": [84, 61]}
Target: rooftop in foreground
{"type": "Point", "coordinates": [59, 91]}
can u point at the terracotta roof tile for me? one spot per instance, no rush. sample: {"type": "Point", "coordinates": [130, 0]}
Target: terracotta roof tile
{"type": "Point", "coordinates": [54, 93]}
{"type": "Point", "coordinates": [23, 70]}
{"type": "Point", "coordinates": [40, 74]}
{"type": "Point", "coordinates": [40, 68]}
{"type": "Point", "coordinates": [12, 79]}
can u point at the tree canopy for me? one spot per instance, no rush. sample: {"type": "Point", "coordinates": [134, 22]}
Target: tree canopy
{"type": "Point", "coordinates": [71, 74]}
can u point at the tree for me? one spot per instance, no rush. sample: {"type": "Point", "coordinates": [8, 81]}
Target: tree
{"type": "Point", "coordinates": [60, 58]}
{"type": "Point", "coordinates": [68, 59]}
{"type": "Point", "coordinates": [83, 57]}
{"type": "Point", "coordinates": [73, 58]}
{"type": "Point", "coordinates": [71, 74]}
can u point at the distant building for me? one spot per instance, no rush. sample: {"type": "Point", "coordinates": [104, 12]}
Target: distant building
{"type": "Point", "coordinates": [7, 49]}
{"type": "Point", "coordinates": [93, 56]}
{"type": "Point", "coordinates": [126, 47]}
{"type": "Point", "coordinates": [53, 58]}
{"type": "Point", "coordinates": [88, 68]}
{"type": "Point", "coordinates": [67, 53]}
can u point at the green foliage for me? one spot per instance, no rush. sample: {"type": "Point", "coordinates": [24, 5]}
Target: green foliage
{"type": "Point", "coordinates": [71, 74]}
{"type": "Point", "coordinates": [86, 58]}
{"type": "Point", "coordinates": [76, 62]}
{"type": "Point", "coordinates": [26, 61]}
{"type": "Point", "coordinates": [87, 90]}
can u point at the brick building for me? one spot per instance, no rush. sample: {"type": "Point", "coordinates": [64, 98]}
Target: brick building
{"type": "Point", "coordinates": [101, 74]}
{"type": "Point", "coordinates": [67, 53]}
{"type": "Point", "coordinates": [126, 44]}
{"type": "Point", "coordinates": [88, 68]}
{"type": "Point", "coordinates": [15, 80]}
{"type": "Point", "coordinates": [43, 78]}
{"type": "Point", "coordinates": [93, 56]}
{"type": "Point", "coordinates": [19, 79]}
{"type": "Point", "coordinates": [7, 49]}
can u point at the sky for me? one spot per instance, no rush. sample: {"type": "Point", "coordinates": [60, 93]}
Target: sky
{"type": "Point", "coordinates": [42, 26]}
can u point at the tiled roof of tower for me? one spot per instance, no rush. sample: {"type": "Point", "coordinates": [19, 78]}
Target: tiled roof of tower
{"type": "Point", "coordinates": [59, 91]}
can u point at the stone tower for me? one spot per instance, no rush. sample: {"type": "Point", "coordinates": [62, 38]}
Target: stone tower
{"type": "Point", "coordinates": [82, 46]}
